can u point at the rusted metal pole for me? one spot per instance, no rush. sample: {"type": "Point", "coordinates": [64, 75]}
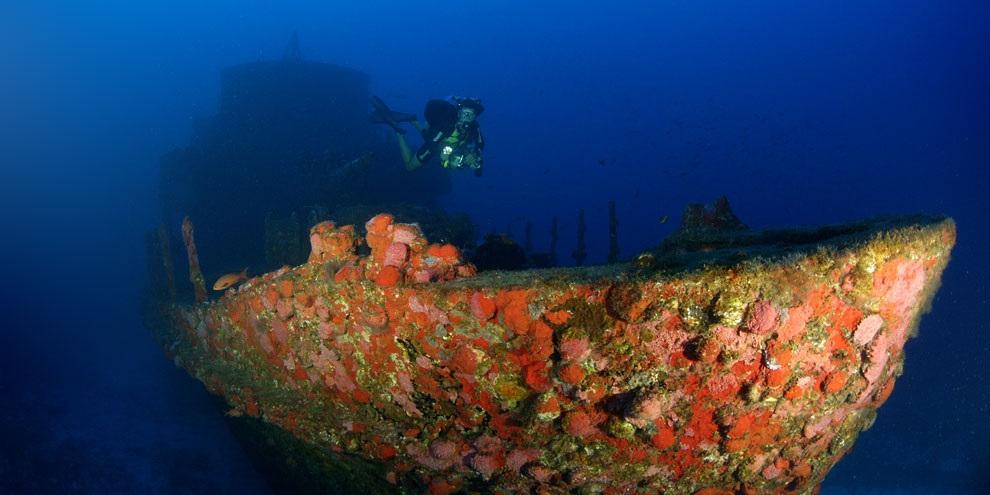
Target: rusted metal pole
{"type": "Point", "coordinates": [169, 269]}
{"type": "Point", "coordinates": [581, 252]}
{"type": "Point", "coordinates": [195, 275]}
{"type": "Point", "coordinates": [613, 234]}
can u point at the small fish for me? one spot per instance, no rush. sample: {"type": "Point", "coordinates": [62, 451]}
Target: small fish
{"type": "Point", "coordinates": [230, 280]}
{"type": "Point", "coordinates": [663, 219]}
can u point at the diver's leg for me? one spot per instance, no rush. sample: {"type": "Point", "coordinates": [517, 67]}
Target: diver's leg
{"type": "Point", "coordinates": [412, 163]}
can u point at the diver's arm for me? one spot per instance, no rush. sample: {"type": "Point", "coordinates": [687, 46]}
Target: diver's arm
{"type": "Point", "coordinates": [476, 162]}
{"type": "Point", "coordinates": [423, 154]}
{"type": "Point", "coordinates": [479, 139]}
{"type": "Point", "coordinates": [479, 145]}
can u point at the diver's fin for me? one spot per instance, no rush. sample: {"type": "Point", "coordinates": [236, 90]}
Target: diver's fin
{"type": "Point", "coordinates": [394, 117]}
{"type": "Point", "coordinates": [382, 114]}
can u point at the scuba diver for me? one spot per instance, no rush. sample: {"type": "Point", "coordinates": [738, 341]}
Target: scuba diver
{"type": "Point", "coordinates": [452, 132]}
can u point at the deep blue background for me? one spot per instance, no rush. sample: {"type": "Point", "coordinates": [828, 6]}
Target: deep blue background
{"type": "Point", "coordinates": [799, 112]}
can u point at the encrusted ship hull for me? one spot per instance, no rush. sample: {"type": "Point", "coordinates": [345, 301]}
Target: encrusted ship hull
{"type": "Point", "coordinates": [746, 366]}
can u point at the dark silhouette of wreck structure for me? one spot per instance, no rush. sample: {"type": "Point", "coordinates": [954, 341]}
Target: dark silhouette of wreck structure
{"type": "Point", "coordinates": [290, 144]}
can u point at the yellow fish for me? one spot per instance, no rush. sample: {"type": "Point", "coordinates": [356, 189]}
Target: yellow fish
{"type": "Point", "coordinates": [230, 279]}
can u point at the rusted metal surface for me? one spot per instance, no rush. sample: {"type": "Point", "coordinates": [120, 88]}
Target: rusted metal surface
{"type": "Point", "coordinates": [742, 370]}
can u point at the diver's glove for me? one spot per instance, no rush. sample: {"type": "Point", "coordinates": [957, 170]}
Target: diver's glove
{"type": "Point", "coordinates": [472, 160]}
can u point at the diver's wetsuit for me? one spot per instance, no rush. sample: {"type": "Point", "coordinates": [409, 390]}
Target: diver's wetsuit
{"type": "Point", "coordinates": [441, 117]}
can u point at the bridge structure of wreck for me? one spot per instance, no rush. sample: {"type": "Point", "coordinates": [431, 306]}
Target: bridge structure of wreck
{"type": "Point", "coordinates": [387, 364]}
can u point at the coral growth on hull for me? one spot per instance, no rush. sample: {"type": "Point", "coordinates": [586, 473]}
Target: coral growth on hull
{"type": "Point", "coordinates": [747, 368]}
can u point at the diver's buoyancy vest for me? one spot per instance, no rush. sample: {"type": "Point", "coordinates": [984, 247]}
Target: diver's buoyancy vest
{"type": "Point", "coordinates": [448, 147]}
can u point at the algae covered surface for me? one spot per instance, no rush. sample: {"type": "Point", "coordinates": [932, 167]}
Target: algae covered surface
{"type": "Point", "coordinates": [709, 366]}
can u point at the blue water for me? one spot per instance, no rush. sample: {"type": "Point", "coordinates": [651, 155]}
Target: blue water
{"type": "Point", "coordinates": [799, 112]}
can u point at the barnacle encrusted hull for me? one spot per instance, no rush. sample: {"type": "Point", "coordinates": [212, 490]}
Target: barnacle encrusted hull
{"type": "Point", "coordinates": [749, 367]}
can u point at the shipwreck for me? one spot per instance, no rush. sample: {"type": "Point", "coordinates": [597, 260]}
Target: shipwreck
{"type": "Point", "coordinates": [379, 359]}
{"type": "Point", "coordinates": [726, 361]}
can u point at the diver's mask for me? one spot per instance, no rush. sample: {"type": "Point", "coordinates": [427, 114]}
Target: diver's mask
{"type": "Point", "coordinates": [465, 115]}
